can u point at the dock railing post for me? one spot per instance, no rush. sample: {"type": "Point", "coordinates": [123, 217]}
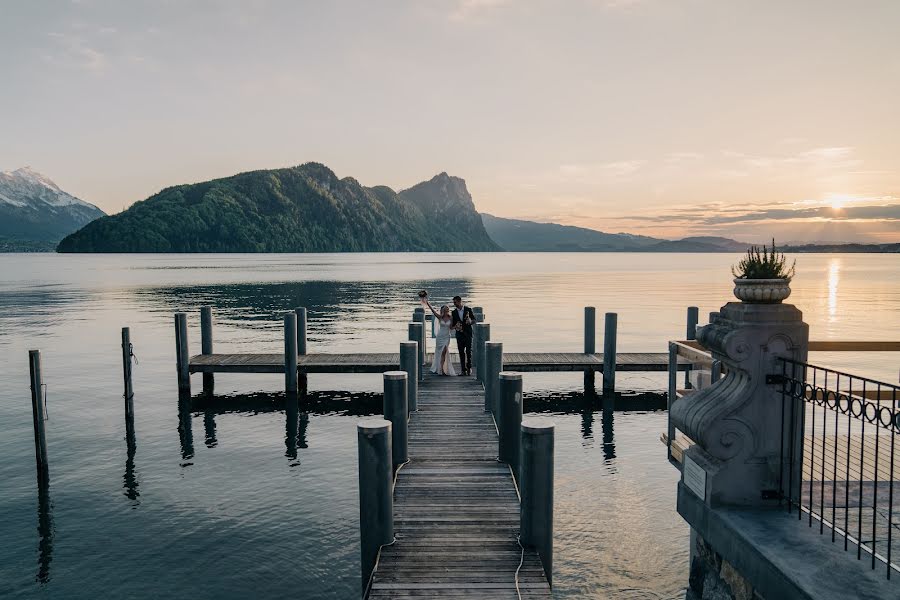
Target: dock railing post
{"type": "Point", "coordinates": [182, 355]}
{"type": "Point", "coordinates": [409, 362]}
{"type": "Point", "coordinates": [671, 395]}
{"type": "Point", "coordinates": [206, 344]}
{"type": "Point", "coordinates": [417, 335]}
{"type": "Point", "coordinates": [376, 502]}
{"type": "Point", "coordinates": [693, 317]}
{"type": "Point", "coordinates": [291, 381]}
{"type": "Point", "coordinates": [590, 345]}
{"type": "Point", "coordinates": [484, 336]}
{"type": "Point", "coordinates": [39, 411]}
{"type": "Point", "coordinates": [536, 486]}
{"type": "Point", "coordinates": [126, 371]}
{"type": "Point", "coordinates": [397, 412]}
{"type": "Point", "coordinates": [493, 358]}
{"type": "Point", "coordinates": [609, 354]}
{"type": "Point", "coordinates": [510, 421]}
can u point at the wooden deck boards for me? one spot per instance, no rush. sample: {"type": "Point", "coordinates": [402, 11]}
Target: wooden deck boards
{"type": "Point", "coordinates": [380, 362]}
{"type": "Point", "coordinates": [456, 509]}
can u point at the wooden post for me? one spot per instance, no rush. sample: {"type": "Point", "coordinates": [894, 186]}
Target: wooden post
{"type": "Point", "coordinates": [182, 356]}
{"type": "Point", "coordinates": [396, 411]}
{"type": "Point", "coordinates": [671, 395]}
{"type": "Point", "coordinates": [301, 345]}
{"type": "Point", "coordinates": [376, 502]}
{"type": "Point", "coordinates": [609, 354]}
{"type": "Point", "coordinates": [509, 426]}
{"type": "Point", "coordinates": [484, 336]}
{"type": "Point", "coordinates": [291, 382]}
{"type": "Point", "coordinates": [126, 369]}
{"type": "Point", "coordinates": [417, 334]}
{"type": "Point", "coordinates": [693, 316]}
{"type": "Point", "coordinates": [409, 355]}
{"type": "Point", "coordinates": [590, 345]}
{"type": "Point", "coordinates": [206, 344]}
{"type": "Point", "coordinates": [419, 317]}
{"type": "Point", "coordinates": [493, 358]}
{"type": "Point", "coordinates": [39, 411]}
{"type": "Point", "coordinates": [536, 515]}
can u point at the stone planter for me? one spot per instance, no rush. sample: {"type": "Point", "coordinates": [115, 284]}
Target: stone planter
{"type": "Point", "coordinates": [762, 291]}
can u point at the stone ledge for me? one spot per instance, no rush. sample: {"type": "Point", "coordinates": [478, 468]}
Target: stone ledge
{"type": "Point", "coordinates": [781, 557]}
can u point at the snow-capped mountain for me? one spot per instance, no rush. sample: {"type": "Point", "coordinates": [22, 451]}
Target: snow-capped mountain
{"type": "Point", "coordinates": [34, 209]}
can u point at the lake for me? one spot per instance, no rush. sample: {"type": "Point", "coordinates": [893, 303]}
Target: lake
{"type": "Point", "coordinates": [237, 502]}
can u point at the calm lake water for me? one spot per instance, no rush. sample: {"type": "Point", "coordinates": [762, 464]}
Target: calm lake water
{"type": "Point", "coordinates": [246, 500]}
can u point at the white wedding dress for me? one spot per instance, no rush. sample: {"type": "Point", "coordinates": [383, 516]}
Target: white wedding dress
{"type": "Point", "coordinates": [442, 343]}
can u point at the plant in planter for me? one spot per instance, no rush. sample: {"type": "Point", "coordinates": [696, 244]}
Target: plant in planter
{"type": "Point", "coordinates": [763, 277]}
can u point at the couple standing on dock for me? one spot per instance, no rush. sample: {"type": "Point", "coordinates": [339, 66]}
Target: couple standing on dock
{"type": "Point", "coordinates": [460, 320]}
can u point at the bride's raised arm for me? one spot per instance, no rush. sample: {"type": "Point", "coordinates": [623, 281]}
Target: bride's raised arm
{"type": "Point", "coordinates": [434, 312]}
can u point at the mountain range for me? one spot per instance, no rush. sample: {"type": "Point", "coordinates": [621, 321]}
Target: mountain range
{"type": "Point", "coordinates": [298, 209]}
{"type": "Point", "coordinates": [35, 213]}
{"type": "Point", "coordinates": [307, 208]}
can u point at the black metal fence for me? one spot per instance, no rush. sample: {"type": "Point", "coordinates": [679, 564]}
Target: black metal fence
{"type": "Point", "coordinates": [841, 458]}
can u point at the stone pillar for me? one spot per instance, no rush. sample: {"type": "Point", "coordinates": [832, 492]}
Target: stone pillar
{"type": "Point", "coordinates": [737, 421]}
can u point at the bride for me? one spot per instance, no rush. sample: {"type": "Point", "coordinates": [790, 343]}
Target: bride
{"type": "Point", "coordinates": [442, 364]}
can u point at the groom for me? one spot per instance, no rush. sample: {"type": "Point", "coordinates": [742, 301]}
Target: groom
{"type": "Point", "coordinates": [463, 319]}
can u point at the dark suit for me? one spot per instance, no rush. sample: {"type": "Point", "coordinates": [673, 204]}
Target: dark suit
{"type": "Point", "coordinates": [464, 337]}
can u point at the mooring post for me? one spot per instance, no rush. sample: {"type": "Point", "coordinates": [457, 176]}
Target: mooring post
{"type": "Point", "coordinates": [484, 336]}
{"type": "Point", "coordinates": [510, 422]}
{"type": "Point", "coordinates": [376, 502]}
{"type": "Point", "coordinates": [671, 395]}
{"type": "Point", "coordinates": [417, 335]}
{"type": "Point", "coordinates": [126, 369]}
{"type": "Point", "coordinates": [206, 344]}
{"type": "Point", "coordinates": [396, 411]}
{"type": "Point", "coordinates": [39, 410]}
{"type": "Point", "coordinates": [536, 486]}
{"type": "Point", "coordinates": [409, 363]}
{"type": "Point", "coordinates": [609, 354]}
{"type": "Point", "coordinates": [291, 382]}
{"type": "Point", "coordinates": [419, 317]}
{"type": "Point", "coordinates": [493, 358]}
{"type": "Point", "coordinates": [590, 345]}
{"type": "Point", "coordinates": [301, 346]}
{"type": "Point", "coordinates": [182, 356]}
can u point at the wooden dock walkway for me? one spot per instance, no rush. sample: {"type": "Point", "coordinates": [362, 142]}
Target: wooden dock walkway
{"type": "Point", "coordinates": [381, 362]}
{"type": "Point", "coordinates": [456, 508]}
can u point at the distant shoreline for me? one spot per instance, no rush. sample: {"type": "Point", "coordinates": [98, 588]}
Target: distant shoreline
{"type": "Point", "coordinates": [842, 249]}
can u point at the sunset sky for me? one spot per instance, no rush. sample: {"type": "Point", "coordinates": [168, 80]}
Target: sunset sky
{"type": "Point", "coordinates": [743, 118]}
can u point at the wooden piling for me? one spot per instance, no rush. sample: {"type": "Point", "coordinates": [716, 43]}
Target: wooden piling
{"type": "Point", "coordinates": [206, 344]}
{"type": "Point", "coordinates": [484, 336]}
{"type": "Point", "coordinates": [590, 345]}
{"type": "Point", "coordinates": [536, 485]}
{"type": "Point", "coordinates": [39, 411]}
{"type": "Point", "coordinates": [291, 381]}
{"type": "Point", "coordinates": [301, 330]}
{"type": "Point", "coordinates": [397, 412]}
{"type": "Point", "coordinates": [693, 317]}
{"type": "Point", "coordinates": [376, 503]}
{"type": "Point", "coordinates": [417, 335]}
{"type": "Point", "coordinates": [493, 359]}
{"type": "Point", "coordinates": [409, 354]}
{"type": "Point", "coordinates": [609, 353]}
{"type": "Point", "coordinates": [419, 317]}
{"type": "Point", "coordinates": [182, 355]}
{"type": "Point", "coordinates": [671, 394]}
{"type": "Point", "coordinates": [509, 425]}
{"type": "Point", "coordinates": [127, 353]}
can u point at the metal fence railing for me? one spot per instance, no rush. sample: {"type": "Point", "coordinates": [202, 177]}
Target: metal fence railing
{"type": "Point", "coordinates": [840, 466]}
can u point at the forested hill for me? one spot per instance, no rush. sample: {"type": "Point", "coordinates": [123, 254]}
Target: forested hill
{"type": "Point", "coordinates": [298, 209]}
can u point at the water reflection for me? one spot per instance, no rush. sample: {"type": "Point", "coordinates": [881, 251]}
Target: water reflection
{"type": "Point", "coordinates": [129, 479]}
{"type": "Point", "coordinates": [834, 278]}
{"type": "Point", "coordinates": [296, 424]}
{"type": "Point", "coordinates": [609, 443]}
{"type": "Point", "coordinates": [185, 431]}
{"type": "Point", "coordinates": [45, 529]}
{"type": "Point", "coordinates": [209, 429]}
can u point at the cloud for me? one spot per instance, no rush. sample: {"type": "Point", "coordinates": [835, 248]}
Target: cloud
{"type": "Point", "coordinates": [74, 51]}
{"type": "Point", "coordinates": [465, 10]}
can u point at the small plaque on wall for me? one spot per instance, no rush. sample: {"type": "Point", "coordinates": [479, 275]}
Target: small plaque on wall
{"type": "Point", "coordinates": [694, 477]}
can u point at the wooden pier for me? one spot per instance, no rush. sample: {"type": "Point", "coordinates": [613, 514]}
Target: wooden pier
{"type": "Point", "coordinates": [456, 508]}
{"type": "Point", "coordinates": [379, 362]}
